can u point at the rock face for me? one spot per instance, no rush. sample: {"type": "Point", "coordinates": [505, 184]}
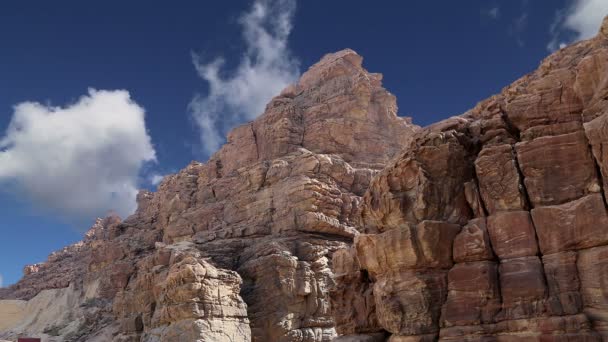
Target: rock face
{"type": "Point", "coordinates": [330, 218]}
{"type": "Point", "coordinates": [238, 248]}
{"type": "Point", "coordinates": [492, 226]}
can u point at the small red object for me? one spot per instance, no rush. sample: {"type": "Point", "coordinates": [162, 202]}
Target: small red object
{"type": "Point", "coordinates": [28, 339]}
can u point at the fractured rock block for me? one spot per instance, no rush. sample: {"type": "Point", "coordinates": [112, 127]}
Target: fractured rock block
{"type": "Point", "coordinates": [286, 293]}
{"type": "Point", "coordinates": [352, 296]}
{"type": "Point", "coordinates": [537, 329]}
{"type": "Point", "coordinates": [409, 302]}
{"type": "Point", "coordinates": [426, 183]}
{"type": "Point", "coordinates": [512, 234]}
{"type": "Point", "coordinates": [473, 242]}
{"type": "Point", "coordinates": [591, 74]}
{"type": "Point", "coordinates": [279, 130]}
{"type": "Point", "coordinates": [435, 242]}
{"type": "Point", "coordinates": [474, 295]}
{"type": "Point", "coordinates": [563, 283]}
{"type": "Point", "coordinates": [522, 286]}
{"type": "Point", "coordinates": [353, 306]}
{"type": "Point", "coordinates": [582, 223]}
{"type": "Point", "coordinates": [240, 148]}
{"type": "Point", "coordinates": [429, 244]}
{"type": "Point", "coordinates": [597, 133]}
{"type": "Point", "coordinates": [345, 262]}
{"type": "Point", "coordinates": [551, 130]}
{"type": "Point", "coordinates": [499, 180]}
{"type": "Point", "coordinates": [550, 100]}
{"type": "Point", "coordinates": [557, 169]}
{"type": "Point", "coordinates": [393, 249]}
{"type": "Point", "coordinates": [593, 272]}
{"type": "Point", "coordinates": [471, 192]}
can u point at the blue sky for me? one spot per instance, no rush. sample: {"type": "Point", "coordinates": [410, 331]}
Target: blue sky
{"type": "Point", "coordinates": [66, 159]}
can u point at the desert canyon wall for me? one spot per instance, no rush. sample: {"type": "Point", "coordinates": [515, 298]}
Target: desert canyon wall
{"type": "Point", "coordinates": [330, 218]}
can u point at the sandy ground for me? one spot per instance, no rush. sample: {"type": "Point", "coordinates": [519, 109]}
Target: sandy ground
{"type": "Point", "coordinates": [12, 312]}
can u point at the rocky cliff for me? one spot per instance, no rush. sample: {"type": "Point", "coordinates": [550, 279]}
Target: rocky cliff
{"type": "Point", "coordinates": [491, 226]}
{"type": "Point", "coordinates": [330, 218]}
{"type": "Point", "coordinates": [238, 248]}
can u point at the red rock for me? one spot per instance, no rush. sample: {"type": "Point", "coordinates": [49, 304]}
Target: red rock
{"type": "Point", "coordinates": [547, 100]}
{"type": "Point", "coordinates": [409, 303]}
{"type": "Point", "coordinates": [546, 164]}
{"type": "Point", "coordinates": [426, 183]}
{"type": "Point", "coordinates": [592, 265]}
{"type": "Point", "coordinates": [597, 133]}
{"type": "Point", "coordinates": [473, 242]}
{"type": "Point", "coordinates": [352, 297]}
{"type": "Point", "coordinates": [590, 75]}
{"type": "Point", "coordinates": [554, 329]}
{"type": "Point", "coordinates": [522, 286]}
{"type": "Point", "coordinates": [499, 180]}
{"type": "Point", "coordinates": [512, 234]}
{"type": "Point", "coordinates": [242, 247]}
{"type": "Point", "coordinates": [427, 245]}
{"type": "Point", "coordinates": [471, 193]}
{"type": "Point", "coordinates": [574, 225]}
{"type": "Point", "coordinates": [474, 295]}
{"type": "Point", "coordinates": [563, 283]}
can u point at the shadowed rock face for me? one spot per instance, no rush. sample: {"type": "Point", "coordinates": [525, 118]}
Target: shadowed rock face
{"type": "Point", "coordinates": [329, 218]}
{"type": "Point", "coordinates": [512, 199]}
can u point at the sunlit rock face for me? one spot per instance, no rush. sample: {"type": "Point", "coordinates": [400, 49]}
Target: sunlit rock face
{"type": "Point", "coordinates": [492, 226]}
{"type": "Point", "coordinates": [238, 248]}
{"type": "Point", "coordinates": [330, 218]}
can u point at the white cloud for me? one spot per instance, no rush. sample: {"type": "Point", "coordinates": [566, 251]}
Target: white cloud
{"type": "Point", "coordinates": [81, 160]}
{"type": "Point", "coordinates": [265, 68]}
{"type": "Point", "coordinates": [1, 281]}
{"type": "Point", "coordinates": [581, 20]}
{"type": "Point", "coordinates": [155, 178]}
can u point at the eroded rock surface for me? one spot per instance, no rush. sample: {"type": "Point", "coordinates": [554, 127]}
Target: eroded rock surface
{"type": "Point", "coordinates": [240, 248]}
{"type": "Point", "coordinates": [515, 192]}
{"type": "Point", "coordinates": [329, 218]}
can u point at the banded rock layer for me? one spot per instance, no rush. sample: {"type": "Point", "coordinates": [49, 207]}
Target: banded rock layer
{"type": "Point", "coordinates": [491, 226]}
{"type": "Point", "coordinates": [238, 248]}
{"type": "Point", "coordinates": [330, 218]}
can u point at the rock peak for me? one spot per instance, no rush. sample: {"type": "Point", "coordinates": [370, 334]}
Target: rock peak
{"type": "Point", "coordinates": [604, 28]}
{"type": "Point", "coordinates": [337, 107]}
{"type": "Point", "coordinates": [346, 54]}
{"type": "Point", "coordinates": [344, 62]}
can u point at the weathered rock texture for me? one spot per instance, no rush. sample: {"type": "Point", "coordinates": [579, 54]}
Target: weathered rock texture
{"type": "Point", "coordinates": [238, 248]}
{"type": "Point", "coordinates": [492, 226]}
{"type": "Point", "coordinates": [329, 218]}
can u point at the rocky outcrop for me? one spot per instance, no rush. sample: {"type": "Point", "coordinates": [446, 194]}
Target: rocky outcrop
{"type": "Point", "coordinates": [330, 218]}
{"type": "Point", "coordinates": [182, 297]}
{"type": "Point", "coordinates": [239, 248]}
{"type": "Point", "coordinates": [492, 226]}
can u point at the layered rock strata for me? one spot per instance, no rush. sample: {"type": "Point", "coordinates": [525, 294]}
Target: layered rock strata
{"type": "Point", "coordinates": [238, 248]}
{"type": "Point", "coordinates": [329, 218]}
{"type": "Point", "coordinates": [492, 226]}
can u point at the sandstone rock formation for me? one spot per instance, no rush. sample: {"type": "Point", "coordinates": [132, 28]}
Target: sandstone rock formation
{"type": "Point", "coordinates": [330, 218]}
{"type": "Point", "coordinates": [238, 248]}
{"type": "Point", "coordinates": [492, 226]}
